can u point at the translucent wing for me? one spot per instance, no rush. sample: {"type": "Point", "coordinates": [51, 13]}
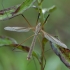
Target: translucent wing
{"type": "Point", "coordinates": [17, 29]}
{"type": "Point", "coordinates": [53, 39]}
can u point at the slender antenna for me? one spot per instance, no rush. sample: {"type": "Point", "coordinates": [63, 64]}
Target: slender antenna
{"type": "Point", "coordinates": [46, 19]}
{"type": "Point", "coordinates": [26, 20]}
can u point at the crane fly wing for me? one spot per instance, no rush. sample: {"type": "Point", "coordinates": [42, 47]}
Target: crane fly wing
{"type": "Point", "coordinates": [53, 39]}
{"type": "Point", "coordinates": [17, 29]}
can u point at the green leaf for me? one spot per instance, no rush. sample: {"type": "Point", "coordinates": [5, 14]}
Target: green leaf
{"type": "Point", "coordinates": [23, 48]}
{"type": "Point", "coordinates": [51, 9]}
{"type": "Point", "coordinates": [20, 47]}
{"type": "Point", "coordinates": [6, 40]}
{"type": "Point", "coordinates": [7, 13]}
{"type": "Point", "coordinates": [10, 42]}
{"type": "Point", "coordinates": [15, 10]}
{"type": "Point", "coordinates": [48, 10]}
{"type": "Point", "coordinates": [62, 53]}
{"type": "Point", "coordinates": [36, 55]}
{"type": "Point", "coordinates": [24, 6]}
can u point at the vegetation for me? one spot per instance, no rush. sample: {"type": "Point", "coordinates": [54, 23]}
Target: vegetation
{"type": "Point", "coordinates": [39, 36]}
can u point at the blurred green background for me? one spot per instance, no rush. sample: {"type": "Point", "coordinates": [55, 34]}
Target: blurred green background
{"type": "Point", "coordinates": [58, 24]}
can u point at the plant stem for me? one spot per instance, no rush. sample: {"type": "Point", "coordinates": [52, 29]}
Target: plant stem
{"type": "Point", "coordinates": [42, 58]}
{"type": "Point", "coordinates": [41, 21]}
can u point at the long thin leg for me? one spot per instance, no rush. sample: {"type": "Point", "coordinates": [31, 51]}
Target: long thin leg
{"type": "Point", "coordinates": [27, 39]}
{"type": "Point", "coordinates": [26, 20]}
{"type": "Point", "coordinates": [23, 41]}
{"type": "Point", "coordinates": [46, 19]}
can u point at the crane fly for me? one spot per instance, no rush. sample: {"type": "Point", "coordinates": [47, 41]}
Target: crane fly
{"type": "Point", "coordinates": [37, 30]}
